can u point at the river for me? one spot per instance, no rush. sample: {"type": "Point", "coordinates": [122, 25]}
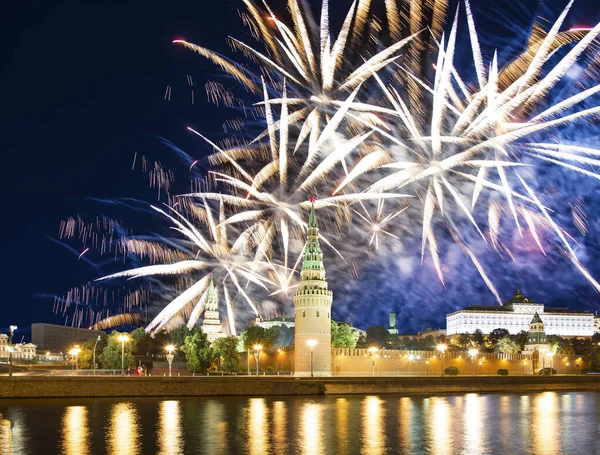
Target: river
{"type": "Point", "coordinates": [511, 424]}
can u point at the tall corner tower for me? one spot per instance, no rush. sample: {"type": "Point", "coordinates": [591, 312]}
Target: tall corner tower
{"type": "Point", "coordinates": [312, 308]}
{"type": "Point", "coordinates": [212, 323]}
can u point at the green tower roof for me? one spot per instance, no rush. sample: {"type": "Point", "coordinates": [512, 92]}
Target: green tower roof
{"type": "Point", "coordinates": [536, 319]}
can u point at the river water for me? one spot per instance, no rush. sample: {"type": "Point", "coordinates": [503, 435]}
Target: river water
{"type": "Point", "coordinates": [508, 424]}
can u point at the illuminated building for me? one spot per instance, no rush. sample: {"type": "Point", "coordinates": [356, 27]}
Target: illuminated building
{"type": "Point", "coordinates": [515, 315]}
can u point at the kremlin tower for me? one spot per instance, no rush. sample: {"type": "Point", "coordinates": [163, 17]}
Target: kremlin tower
{"type": "Point", "coordinates": [212, 323]}
{"type": "Point", "coordinates": [312, 309]}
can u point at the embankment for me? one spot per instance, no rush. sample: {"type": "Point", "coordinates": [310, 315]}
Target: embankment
{"type": "Point", "coordinates": [96, 387]}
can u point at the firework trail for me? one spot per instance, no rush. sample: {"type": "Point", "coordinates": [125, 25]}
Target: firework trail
{"type": "Point", "coordinates": [202, 257]}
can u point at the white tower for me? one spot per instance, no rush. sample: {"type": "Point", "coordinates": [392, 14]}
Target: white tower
{"type": "Point", "coordinates": [212, 323]}
{"type": "Point", "coordinates": [312, 309]}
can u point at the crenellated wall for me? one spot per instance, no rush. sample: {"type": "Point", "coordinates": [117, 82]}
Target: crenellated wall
{"type": "Point", "coordinates": [359, 362]}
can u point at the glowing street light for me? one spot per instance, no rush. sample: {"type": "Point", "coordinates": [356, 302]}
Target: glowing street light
{"type": "Point", "coordinates": [170, 348]}
{"type": "Point", "coordinates": [373, 350]}
{"type": "Point", "coordinates": [10, 348]}
{"type": "Point", "coordinates": [257, 349]}
{"type": "Point", "coordinates": [473, 354]}
{"type": "Point", "coordinates": [75, 352]}
{"type": "Point", "coordinates": [123, 339]}
{"type": "Point", "coordinates": [442, 348]}
{"type": "Point", "coordinates": [312, 344]}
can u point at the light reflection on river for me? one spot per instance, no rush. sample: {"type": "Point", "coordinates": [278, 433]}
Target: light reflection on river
{"type": "Point", "coordinates": [545, 423]}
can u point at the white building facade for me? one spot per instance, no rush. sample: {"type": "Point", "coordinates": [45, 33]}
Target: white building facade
{"type": "Point", "coordinates": [516, 314]}
{"type": "Point", "coordinates": [26, 351]}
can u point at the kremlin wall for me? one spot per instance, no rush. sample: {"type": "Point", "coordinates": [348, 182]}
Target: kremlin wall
{"type": "Point", "coordinates": [359, 362]}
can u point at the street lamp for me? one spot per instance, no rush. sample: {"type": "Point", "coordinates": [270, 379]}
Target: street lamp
{"type": "Point", "coordinates": [123, 339]}
{"type": "Point", "coordinates": [257, 349]}
{"type": "Point", "coordinates": [524, 363]}
{"type": "Point", "coordinates": [551, 355]}
{"type": "Point", "coordinates": [373, 350]}
{"type": "Point", "coordinates": [75, 352]}
{"type": "Point", "coordinates": [442, 348]}
{"type": "Point", "coordinates": [312, 344]}
{"type": "Point", "coordinates": [427, 363]}
{"type": "Point", "coordinates": [473, 353]}
{"type": "Point", "coordinates": [543, 355]}
{"type": "Point", "coordinates": [170, 348]}
{"type": "Point", "coordinates": [94, 361]}
{"type": "Point", "coordinates": [10, 348]}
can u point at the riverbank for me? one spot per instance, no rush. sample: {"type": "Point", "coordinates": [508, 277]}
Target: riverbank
{"type": "Point", "coordinates": [97, 386]}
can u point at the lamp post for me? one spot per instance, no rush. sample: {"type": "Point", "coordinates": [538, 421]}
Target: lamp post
{"type": "Point", "coordinates": [373, 350]}
{"type": "Point", "coordinates": [427, 363]}
{"type": "Point", "coordinates": [75, 352]}
{"type": "Point", "coordinates": [442, 348]}
{"type": "Point", "coordinates": [170, 348]}
{"type": "Point", "coordinates": [473, 353]}
{"type": "Point", "coordinates": [543, 356]}
{"type": "Point", "coordinates": [312, 344]}
{"type": "Point", "coordinates": [524, 363]}
{"type": "Point", "coordinates": [248, 359]}
{"type": "Point", "coordinates": [123, 339]}
{"type": "Point", "coordinates": [257, 349]}
{"type": "Point", "coordinates": [94, 361]}
{"type": "Point", "coordinates": [10, 348]}
{"type": "Point", "coordinates": [551, 356]}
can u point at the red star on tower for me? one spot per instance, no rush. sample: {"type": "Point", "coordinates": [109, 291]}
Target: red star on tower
{"type": "Point", "coordinates": [312, 199]}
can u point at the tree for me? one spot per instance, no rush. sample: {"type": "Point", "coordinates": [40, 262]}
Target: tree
{"type": "Point", "coordinates": [560, 345]}
{"type": "Point", "coordinates": [226, 348]}
{"type": "Point", "coordinates": [426, 344]}
{"type": "Point", "coordinates": [507, 346]}
{"type": "Point", "coordinates": [143, 342]}
{"type": "Point", "coordinates": [495, 335]}
{"type": "Point", "coordinates": [478, 338]}
{"type": "Point", "coordinates": [465, 340]}
{"type": "Point", "coordinates": [256, 335]}
{"type": "Point", "coordinates": [521, 339]}
{"type": "Point", "coordinates": [110, 358]}
{"type": "Point", "coordinates": [343, 335]}
{"type": "Point", "coordinates": [85, 359]}
{"type": "Point", "coordinates": [197, 350]}
{"type": "Point", "coordinates": [378, 336]}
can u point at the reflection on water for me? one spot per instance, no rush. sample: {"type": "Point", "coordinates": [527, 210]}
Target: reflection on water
{"type": "Point", "coordinates": [372, 414]}
{"type": "Point", "coordinates": [258, 414]}
{"type": "Point", "coordinates": [341, 410]}
{"type": "Point", "coordinates": [546, 423]}
{"type": "Point", "coordinates": [279, 430]}
{"type": "Point", "coordinates": [169, 434]}
{"type": "Point", "coordinates": [545, 426]}
{"type": "Point", "coordinates": [473, 423]}
{"type": "Point", "coordinates": [75, 431]}
{"type": "Point", "coordinates": [123, 432]}
{"type": "Point", "coordinates": [5, 436]}
{"type": "Point", "coordinates": [440, 430]}
{"type": "Point", "coordinates": [310, 429]}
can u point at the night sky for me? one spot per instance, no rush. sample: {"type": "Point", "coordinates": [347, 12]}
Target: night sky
{"type": "Point", "coordinates": [83, 89]}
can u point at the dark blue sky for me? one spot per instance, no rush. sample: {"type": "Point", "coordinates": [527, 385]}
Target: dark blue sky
{"type": "Point", "coordinates": [83, 90]}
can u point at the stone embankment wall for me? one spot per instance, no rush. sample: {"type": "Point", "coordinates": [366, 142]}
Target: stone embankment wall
{"type": "Point", "coordinates": [96, 387]}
